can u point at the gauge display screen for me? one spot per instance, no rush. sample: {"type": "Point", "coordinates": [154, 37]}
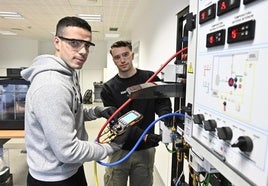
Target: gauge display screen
{"type": "Point", "coordinates": [128, 118]}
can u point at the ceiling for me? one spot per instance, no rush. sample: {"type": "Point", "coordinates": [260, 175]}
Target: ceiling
{"type": "Point", "coordinates": [41, 16]}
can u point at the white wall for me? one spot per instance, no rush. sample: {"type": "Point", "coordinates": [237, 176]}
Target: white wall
{"type": "Point", "coordinates": [155, 28]}
{"type": "Point", "coordinates": [46, 47]}
{"type": "Point", "coordinates": [16, 53]}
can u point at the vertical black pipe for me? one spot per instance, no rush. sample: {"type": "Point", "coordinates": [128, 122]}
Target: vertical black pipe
{"type": "Point", "coordinates": [181, 42]}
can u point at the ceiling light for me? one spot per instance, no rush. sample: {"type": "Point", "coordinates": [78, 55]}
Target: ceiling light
{"type": "Point", "coordinates": [11, 15]}
{"type": "Point", "coordinates": [6, 32]}
{"type": "Point", "coordinates": [91, 17]}
{"type": "Point", "coordinates": [17, 29]}
{"type": "Point", "coordinates": [112, 35]}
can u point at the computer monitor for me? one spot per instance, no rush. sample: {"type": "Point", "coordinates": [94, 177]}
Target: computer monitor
{"type": "Point", "coordinates": [12, 103]}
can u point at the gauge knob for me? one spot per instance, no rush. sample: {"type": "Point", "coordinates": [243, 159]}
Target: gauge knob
{"type": "Point", "coordinates": [244, 143]}
{"type": "Point", "coordinates": [198, 119]}
{"type": "Point", "coordinates": [118, 127]}
{"type": "Point", "coordinates": [225, 133]}
{"type": "Point", "coordinates": [210, 125]}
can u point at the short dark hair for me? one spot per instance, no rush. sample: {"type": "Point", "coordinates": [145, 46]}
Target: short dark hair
{"type": "Point", "coordinates": [119, 44]}
{"type": "Point", "coordinates": [71, 21]}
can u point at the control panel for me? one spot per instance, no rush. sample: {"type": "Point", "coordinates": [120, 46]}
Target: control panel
{"type": "Point", "coordinates": [229, 105]}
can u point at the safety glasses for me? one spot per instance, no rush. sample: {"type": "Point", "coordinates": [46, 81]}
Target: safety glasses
{"type": "Point", "coordinates": [77, 44]}
{"type": "Point", "coordinates": [123, 55]}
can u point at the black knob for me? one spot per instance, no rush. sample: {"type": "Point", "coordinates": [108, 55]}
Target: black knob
{"type": "Point", "coordinates": [198, 119]}
{"type": "Point", "coordinates": [210, 125]}
{"type": "Point", "coordinates": [244, 143]}
{"type": "Point", "coordinates": [118, 127]}
{"type": "Point", "coordinates": [225, 133]}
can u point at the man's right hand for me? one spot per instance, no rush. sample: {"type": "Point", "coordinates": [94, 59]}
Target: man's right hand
{"type": "Point", "coordinates": [105, 112]}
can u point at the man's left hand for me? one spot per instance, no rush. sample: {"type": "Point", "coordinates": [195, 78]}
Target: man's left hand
{"type": "Point", "coordinates": [153, 139]}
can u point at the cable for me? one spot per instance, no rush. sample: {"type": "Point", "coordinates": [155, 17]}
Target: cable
{"type": "Point", "coordinates": [179, 179]}
{"type": "Point", "coordinates": [165, 64]}
{"type": "Point", "coordinates": [96, 174]}
{"type": "Point", "coordinates": [207, 180]}
{"type": "Point", "coordinates": [169, 150]}
{"type": "Point", "coordinates": [140, 139]}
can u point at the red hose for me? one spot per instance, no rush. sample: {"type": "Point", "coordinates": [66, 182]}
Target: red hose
{"type": "Point", "coordinates": [129, 100]}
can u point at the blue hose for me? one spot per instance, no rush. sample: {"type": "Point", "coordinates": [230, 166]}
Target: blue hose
{"type": "Point", "coordinates": [140, 139]}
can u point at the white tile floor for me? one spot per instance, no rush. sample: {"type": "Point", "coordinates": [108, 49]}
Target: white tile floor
{"type": "Point", "coordinates": [18, 166]}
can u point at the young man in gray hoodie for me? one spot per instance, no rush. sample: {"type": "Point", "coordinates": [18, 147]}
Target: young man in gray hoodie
{"type": "Point", "coordinates": [56, 139]}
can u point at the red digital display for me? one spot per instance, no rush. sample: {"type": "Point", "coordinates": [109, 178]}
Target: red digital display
{"type": "Point", "coordinates": [211, 39]}
{"type": "Point", "coordinates": [203, 15]}
{"type": "Point", "coordinates": [234, 33]}
{"type": "Point", "coordinates": [242, 32]}
{"type": "Point", "coordinates": [207, 14]}
{"type": "Point", "coordinates": [216, 38]}
{"type": "Point", "coordinates": [225, 6]}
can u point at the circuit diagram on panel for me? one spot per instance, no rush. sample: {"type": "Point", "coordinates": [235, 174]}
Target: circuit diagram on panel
{"type": "Point", "coordinates": [228, 83]}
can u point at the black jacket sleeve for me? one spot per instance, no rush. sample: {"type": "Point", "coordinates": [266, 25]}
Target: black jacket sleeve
{"type": "Point", "coordinates": [163, 106]}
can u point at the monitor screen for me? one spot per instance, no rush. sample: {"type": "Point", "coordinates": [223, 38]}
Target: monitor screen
{"type": "Point", "coordinates": [12, 103]}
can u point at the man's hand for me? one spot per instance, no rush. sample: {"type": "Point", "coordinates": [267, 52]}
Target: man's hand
{"type": "Point", "coordinates": [168, 121]}
{"type": "Point", "coordinates": [105, 112]}
{"type": "Point", "coordinates": [152, 139]}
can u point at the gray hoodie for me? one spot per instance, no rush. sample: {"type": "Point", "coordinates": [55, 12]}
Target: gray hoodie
{"type": "Point", "coordinates": [55, 135]}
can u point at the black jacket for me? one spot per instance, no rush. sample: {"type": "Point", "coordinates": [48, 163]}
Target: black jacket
{"type": "Point", "coordinates": [114, 94]}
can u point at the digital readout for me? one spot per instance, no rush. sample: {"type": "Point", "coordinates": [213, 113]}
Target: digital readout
{"type": "Point", "coordinates": [129, 118]}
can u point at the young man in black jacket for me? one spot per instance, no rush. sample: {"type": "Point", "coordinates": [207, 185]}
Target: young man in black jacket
{"type": "Point", "coordinates": [139, 166]}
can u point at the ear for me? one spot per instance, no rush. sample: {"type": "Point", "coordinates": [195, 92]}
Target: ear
{"type": "Point", "coordinates": [57, 43]}
{"type": "Point", "coordinates": [132, 55]}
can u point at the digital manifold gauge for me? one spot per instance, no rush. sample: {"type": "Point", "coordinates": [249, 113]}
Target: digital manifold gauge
{"type": "Point", "coordinates": [128, 119]}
